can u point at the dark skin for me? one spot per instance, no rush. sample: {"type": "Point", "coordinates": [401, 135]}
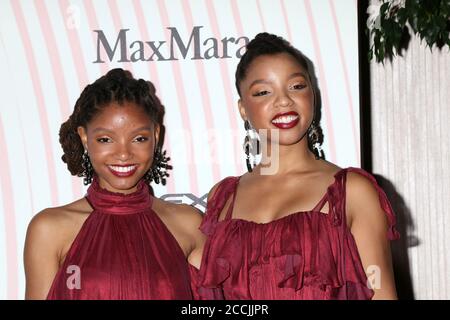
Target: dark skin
{"type": "Point", "coordinates": [278, 83]}
{"type": "Point", "coordinates": [117, 135]}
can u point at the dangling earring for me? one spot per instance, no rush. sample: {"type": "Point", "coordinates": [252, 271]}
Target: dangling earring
{"type": "Point", "coordinates": [158, 171]}
{"type": "Point", "coordinates": [87, 168]}
{"type": "Point", "coordinates": [314, 138]}
{"type": "Point", "coordinates": [251, 144]}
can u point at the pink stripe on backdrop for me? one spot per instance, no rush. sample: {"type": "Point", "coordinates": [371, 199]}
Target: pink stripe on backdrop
{"type": "Point", "coordinates": [81, 70]}
{"type": "Point", "coordinates": [93, 25]}
{"type": "Point", "coordinates": [144, 30]}
{"type": "Point", "coordinates": [323, 84]}
{"type": "Point", "coordinates": [26, 152]}
{"type": "Point", "coordinates": [206, 100]}
{"type": "Point", "coordinates": [261, 17]}
{"type": "Point", "coordinates": [57, 70]}
{"type": "Point", "coordinates": [240, 31]}
{"type": "Point", "coordinates": [182, 100]}
{"type": "Point", "coordinates": [38, 93]}
{"type": "Point", "coordinates": [115, 13]}
{"type": "Point", "coordinates": [75, 47]}
{"type": "Point", "coordinates": [237, 17]}
{"type": "Point", "coordinates": [346, 77]}
{"type": "Point", "coordinates": [9, 219]}
{"type": "Point", "coordinates": [53, 54]}
{"type": "Point", "coordinates": [154, 78]}
{"type": "Point", "coordinates": [286, 20]}
{"type": "Point", "coordinates": [226, 80]}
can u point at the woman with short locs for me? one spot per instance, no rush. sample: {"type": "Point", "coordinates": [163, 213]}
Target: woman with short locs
{"type": "Point", "coordinates": [119, 241]}
{"type": "Point", "coordinates": [310, 230]}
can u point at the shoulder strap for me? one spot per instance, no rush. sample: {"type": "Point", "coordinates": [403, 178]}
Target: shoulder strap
{"type": "Point", "coordinates": [335, 196]}
{"type": "Point", "coordinates": [216, 203]}
{"type": "Point", "coordinates": [229, 214]}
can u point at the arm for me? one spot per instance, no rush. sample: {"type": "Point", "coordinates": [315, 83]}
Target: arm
{"type": "Point", "coordinates": [192, 224]}
{"type": "Point", "coordinates": [369, 226]}
{"type": "Point", "coordinates": [195, 258]}
{"type": "Point", "coordinates": [199, 238]}
{"type": "Point", "coordinates": [40, 256]}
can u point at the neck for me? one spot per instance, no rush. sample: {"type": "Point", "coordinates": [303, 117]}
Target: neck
{"type": "Point", "coordinates": [291, 158]}
{"type": "Point", "coordinates": [106, 186]}
{"type": "Point", "coordinates": [114, 201]}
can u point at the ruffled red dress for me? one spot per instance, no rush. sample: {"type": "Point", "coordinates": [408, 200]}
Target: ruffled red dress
{"type": "Point", "coordinates": [305, 255]}
{"type": "Point", "coordinates": [123, 251]}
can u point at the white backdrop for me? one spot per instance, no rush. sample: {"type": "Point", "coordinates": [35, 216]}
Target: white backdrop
{"type": "Point", "coordinates": [48, 50]}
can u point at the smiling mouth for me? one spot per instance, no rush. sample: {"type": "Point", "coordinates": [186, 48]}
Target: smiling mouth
{"type": "Point", "coordinates": [286, 120]}
{"type": "Point", "coordinates": [123, 170]}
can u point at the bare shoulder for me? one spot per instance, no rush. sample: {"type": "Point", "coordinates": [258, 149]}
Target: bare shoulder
{"type": "Point", "coordinates": [182, 221]}
{"type": "Point", "coordinates": [182, 215]}
{"type": "Point", "coordinates": [59, 216]}
{"type": "Point", "coordinates": [48, 236]}
{"type": "Point", "coordinates": [56, 222]}
{"type": "Point", "coordinates": [46, 232]}
{"type": "Point", "coordinates": [52, 225]}
{"type": "Point", "coordinates": [48, 220]}
{"type": "Point", "coordinates": [360, 188]}
{"type": "Point", "coordinates": [363, 201]}
{"type": "Point", "coordinates": [45, 224]}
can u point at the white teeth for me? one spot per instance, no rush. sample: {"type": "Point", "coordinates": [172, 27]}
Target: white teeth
{"type": "Point", "coordinates": [122, 169]}
{"type": "Point", "coordinates": [284, 119]}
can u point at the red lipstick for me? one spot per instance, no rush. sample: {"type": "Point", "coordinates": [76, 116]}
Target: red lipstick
{"type": "Point", "coordinates": [117, 170]}
{"type": "Point", "coordinates": [291, 119]}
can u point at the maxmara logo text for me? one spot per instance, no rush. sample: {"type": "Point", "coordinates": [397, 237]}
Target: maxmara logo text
{"type": "Point", "coordinates": [194, 47]}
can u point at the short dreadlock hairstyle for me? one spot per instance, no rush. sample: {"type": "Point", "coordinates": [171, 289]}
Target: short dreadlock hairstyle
{"type": "Point", "coordinates": [117, 86]}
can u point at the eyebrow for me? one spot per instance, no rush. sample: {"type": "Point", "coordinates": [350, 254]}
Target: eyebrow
{"type": "Point", "coordinates": [263, 81]}
{"type": "Point", "coordinates": [298, 74]}
{"type": "Point", "coordinates": [99, 129]}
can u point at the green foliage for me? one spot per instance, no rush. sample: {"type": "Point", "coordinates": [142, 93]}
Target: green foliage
{"type": "Point", "coordinates": [429, 19]}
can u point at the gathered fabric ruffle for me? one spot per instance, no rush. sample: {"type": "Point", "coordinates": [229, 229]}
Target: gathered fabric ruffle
{"type": "Point", "coordinates": [123, 251]}
{"type": "Point", "coordinates": [258, 263]}
{"type": "Point", "coordinates": [305, 255]}
{"type": "Point", "coordinates": [200, 292]}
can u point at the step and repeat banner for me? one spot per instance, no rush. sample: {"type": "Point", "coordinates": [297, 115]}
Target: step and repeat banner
{"type": "Point", "coordinates": [51, 49]}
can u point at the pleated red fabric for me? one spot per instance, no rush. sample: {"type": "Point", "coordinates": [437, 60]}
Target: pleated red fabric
{"type": "Point", "coordinates": [304, 255]}
{"type": "Point", "coordinates": [123, 251]}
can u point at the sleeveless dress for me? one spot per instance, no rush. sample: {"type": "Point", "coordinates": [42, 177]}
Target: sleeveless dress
{"type": "Point", "coordinates": [123, 251]}
{"type": "Point", "coordinates": [304, 255]}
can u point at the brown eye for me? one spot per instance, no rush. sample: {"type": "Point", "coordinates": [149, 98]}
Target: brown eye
{"type": "Point", "coordinates": [141, 139]}
{"type": "Point", "coordinates": [104, 140]}
{"type": "Point", "coordinates": [299, 86]}
{"type": "Point", "coordinates": [261, 93]}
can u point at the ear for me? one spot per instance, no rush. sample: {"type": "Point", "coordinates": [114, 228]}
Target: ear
{"type": "Point", "coordinates": [242, 110]}
{"type": "Point", "coordinates": [157, 132]}
{"type": "Point", "coordinates": [314, 98]}
{"type": "Point", "coordinates": [83, 136]}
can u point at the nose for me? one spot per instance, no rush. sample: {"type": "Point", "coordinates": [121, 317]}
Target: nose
{"type": "Point", "coordinates": [283, 100]}
{"type": "Point", "coordinates": [123, 152]}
